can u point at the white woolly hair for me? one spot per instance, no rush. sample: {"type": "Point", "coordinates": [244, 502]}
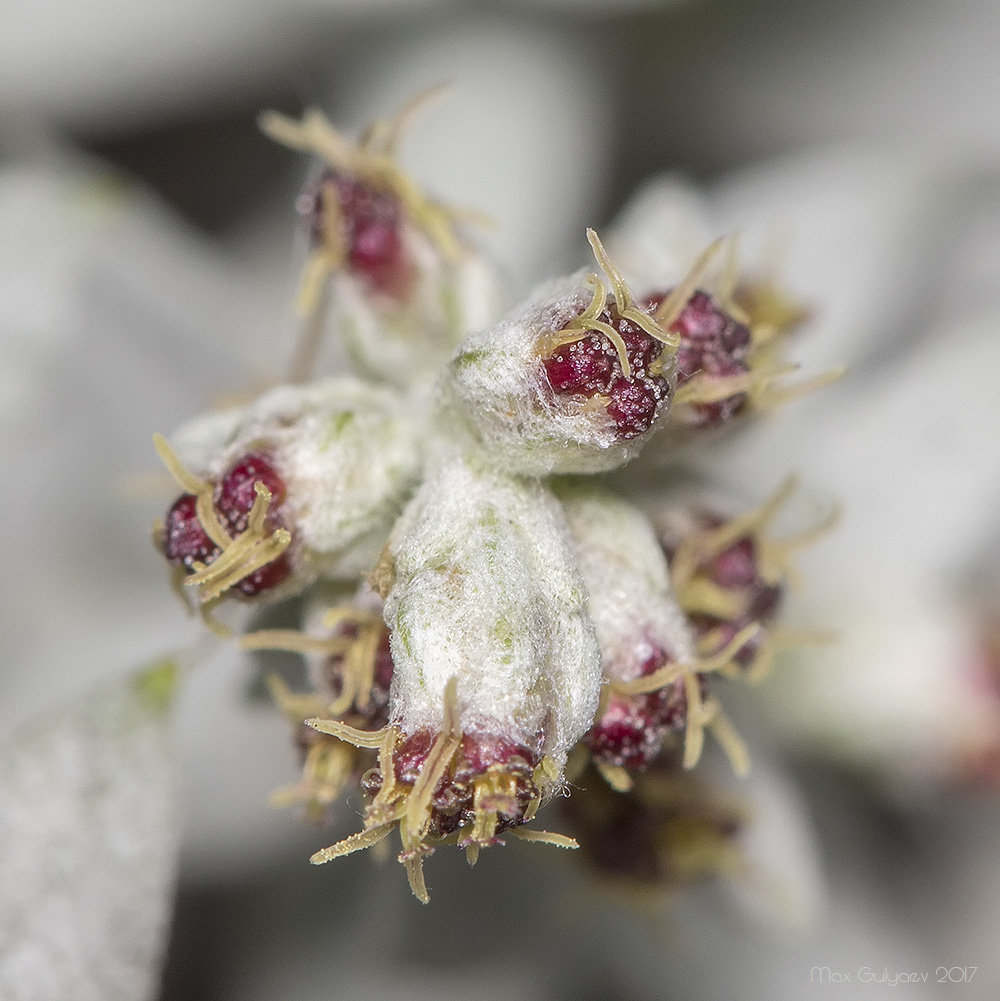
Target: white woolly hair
{"type": "Point", "coordinates": [496, 383]}
{"type": "Point", "coordinates": [631, 604]}
{"type": "Point", "coordinates": [487, 591]}
{"type": "Point", "coordinates": [348, 452]}
{"type": "Point", "coordinates": [409, 342]}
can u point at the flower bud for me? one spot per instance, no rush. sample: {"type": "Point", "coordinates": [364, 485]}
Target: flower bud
{"type": "Point", "coordinates": [730, 328]}
{"type": "Point", "coordinates": [712, 360]}
{"type": "Point", "coordinates": [730, 573]}
{"type": "Point", "coordinates": [572, 382]}
{"type": "Point", "coordinates": [304, 481]}
{"type": "Point", "coordinates": [404, 284]}
{"type": "Point", "coordinates": [655, 682]}
{"type": "Point", "coordinates": [496, 668]}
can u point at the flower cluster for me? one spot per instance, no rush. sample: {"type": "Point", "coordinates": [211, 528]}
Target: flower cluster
{"type": "Point", "coordinates": [488, 616]}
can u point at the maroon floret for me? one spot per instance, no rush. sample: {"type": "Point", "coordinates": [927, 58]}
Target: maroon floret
{"type": "Point", "coordinates": [371, 221]}
{"type": "Point", "coordinates": [714, 343]}
{"type": "Point", "coordinates": [735, 569]}
{"type": "Point", "coordinates": [186, 542]}
{"type": "Point", "coordinates": [236, 491]}
{"type": "Point", "coordinates": [453, 801]}
{"type": "Point", "coordinates": [591, 366]}
{"type": "Point", "coordinates": [630, 731]}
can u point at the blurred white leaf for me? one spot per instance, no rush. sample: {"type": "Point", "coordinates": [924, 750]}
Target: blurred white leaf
{"type": "Point", "coordinates": [89, 830]}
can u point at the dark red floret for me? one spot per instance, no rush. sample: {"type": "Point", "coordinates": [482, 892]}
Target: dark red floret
{"type": "Point", "coordinates": [410, 755]}
{"type": "Point", "coordinates": [630, 732]}
{"type": "Point", "coordinates": [453, 802]}
{"type": "Point", "coordinates": [266, 577]}
{"type": "Point", "coordinates": [735, 569]}
{"type": "Point", "coordinates": [372, 230]}
{"type": "Point", "coordinates": [185, 541]}
{"type": "Point", "coordinates": [634, 404]}
{"type": "Point", "coordinates": [644, 836]}
{"type": "Point", "coordinates": [481, 751]}
{"type": "Point", "coordinates": [736, 566]}
{"type": "Point", "coordinates": [591, 366]}
{"type": "Point", "coordinates": [712, 342]}
{"type": "Point", "coordinates": [236, 491]}
{"type": "Point", "coordinates": [586, 366]}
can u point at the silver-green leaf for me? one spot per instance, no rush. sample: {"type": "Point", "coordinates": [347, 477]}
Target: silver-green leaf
{"type": "Point", "coordinates": [88, 845]}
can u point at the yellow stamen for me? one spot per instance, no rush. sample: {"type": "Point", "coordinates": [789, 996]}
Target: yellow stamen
{"type": "Point", "coordinates": [769, 396]}
{"type": "Point", "coordinates": [293, 641]}
{"type": "Point", "coordinates": [625, 303]}
{"type": "Point", "coordinates": [383, 806]}
{"type": "Point", "coordinates": [697, 716]}
{"type": "Point", "coordinates": [418, 812]}
{"type": "Point", "coordinates": [295, 706]}
{"type": "Point", "coordinates": [206, 612]}
{"type": "Point", "coordinates": [704, 388]}
{"type": "Point", "coordinates": [328, 258]}
{"type": "Point", "coordinates": [355, 843]}
{"type": "Point", "coordinates": [615, 776]}
{"type": "Point", "coordinates": [702, 595]}
{"type": "Point", "coordinates": [372, 739]}
{"type": "Point", "coordinates": [730, 741]}
{"type": "Point", "coordinates": [543, 837]}
{"type": "Point", "coordinates": [672, 672]}
{"type": "Point", "coordinates": [189, 483]}
{"type": "Point", "coordinates": [387, 132]}
{"type": "Point", "coordinates": [328, 767]}
{"type": "Point", "coordinates": [204, 509]}
{"type": "Point", "coordinates": [415, 875]}
{"type": "Point", "coordinates": [773, 641]}
{"type": "Point", "coordinates": [770, 311]}
{"type": "Point", "coordinates": [728, 280]}
{"type": "Point", "coordinates": [667, 312]}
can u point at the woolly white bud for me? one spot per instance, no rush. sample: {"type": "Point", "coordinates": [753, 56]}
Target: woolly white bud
{"type": "Point", "coordinates": [496, 670]}
{"type": "Point", "coordinates": [407, 285]}
{"type": "Point", "coordinates": [303, 458]}
{"type": "Point", "coordinates": [572, 382]}
{"type": "Point", "coordinates": [486, 591]}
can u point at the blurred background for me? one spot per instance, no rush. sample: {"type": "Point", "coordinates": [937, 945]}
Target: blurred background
{"type": "Point", "coordinates": [149, 255]}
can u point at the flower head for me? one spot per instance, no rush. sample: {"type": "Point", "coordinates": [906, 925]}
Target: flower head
{"type": "Point", "coordinates": [518, 616]}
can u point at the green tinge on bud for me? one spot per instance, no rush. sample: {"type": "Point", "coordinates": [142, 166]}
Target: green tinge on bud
{"type": "Point", "coordinates": [486, 591]}
{"type": "Point", "coordinates": [349, 456]}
